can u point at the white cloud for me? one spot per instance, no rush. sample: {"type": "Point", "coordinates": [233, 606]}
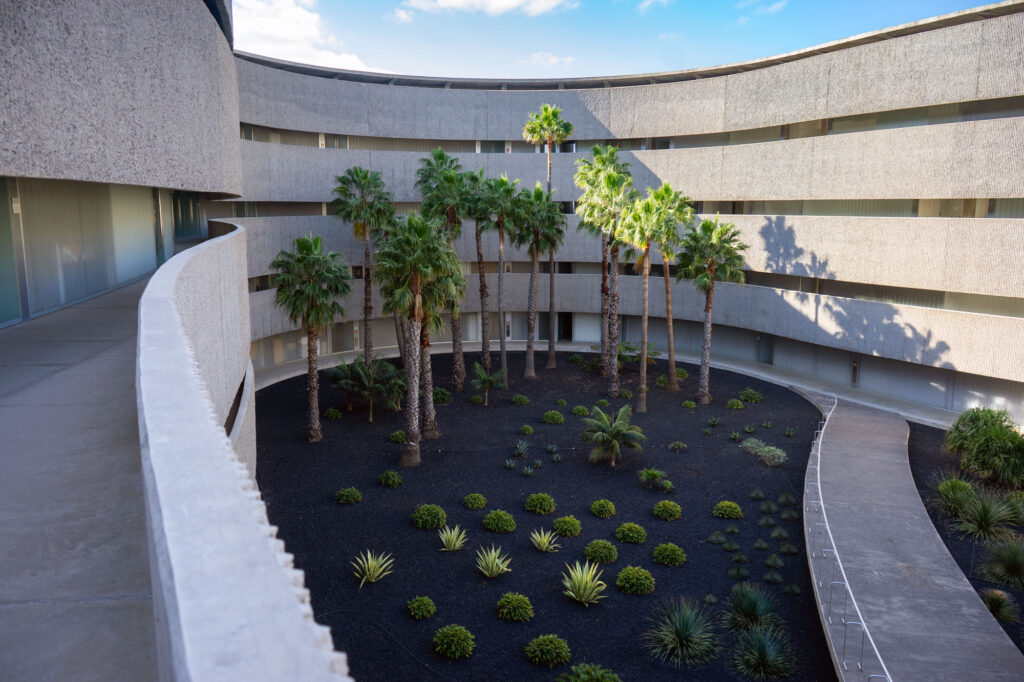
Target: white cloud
{"type": "Point", "coordinates": [773, 8]}
{"type": "Point", "coordinates": [494, 7]}
{"type": "Point", "coordinates": [402, 16]}
{"type": "Point", "coordinates": [668, 36]}
{"type": "Point", "coordinates": [740, 21]}
{"type": "Point", "coordinates": [647, 4]}
{"type": "Point", "coordinates": [291, 30]}
{"type": "Point", "coordinates": [746, 3]}
{"type": "Point", "coordinates": [547, 60]}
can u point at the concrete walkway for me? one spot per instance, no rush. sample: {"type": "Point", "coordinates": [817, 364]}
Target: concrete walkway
{"type": "Point", "coordinates": [75, 601]}
{"type": "Point", "coordinates": [926, 620]}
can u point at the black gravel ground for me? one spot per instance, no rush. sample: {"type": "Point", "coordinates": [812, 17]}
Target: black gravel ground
{"type": "Point", "coordinates": [929, 462]}
{"type": "Point", "coordinates": [298, 481]}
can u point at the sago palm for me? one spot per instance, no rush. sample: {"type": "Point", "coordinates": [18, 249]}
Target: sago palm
{"type": "Point", "coordinates": [709, 252]}
{"type": "Point", "coordinates": [308, 282]}
{"type": "Point", "coordinates": [360, 198]}
{"type": "Point", "coordinates": [611, 436]}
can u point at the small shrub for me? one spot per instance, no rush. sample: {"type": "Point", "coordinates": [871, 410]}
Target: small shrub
{"type": "Point", "coordinates": [682, 374]}
{"type": "Point", "coordinates": [452, 539]}
{"type": "Point", "coordinates": [779, 533]}
{"type": "Point", "coordinates": [752, 445]}
{"type": "Point", "coordinates": [442, 396]}
{"type": "Point", "coordinates": [428, 517]}
{"type": "Point", "coordinates": [766, 424]}
{"type": "Point", "coordinates": [767, 522]}
{"type": "Point", "coordinates": [734, 404]}
{"type": "Point", "coordinates": [499, 521]}
{"type": "Point", "coordinates": [567, 526]}
{"type": "Point", "coordinates": [735, 436]}
{"type": "Point", "coordinates": [769, 507]}
{"type": "Point", "coordinates": [589, 672]}
{"type": "Point", "coordinates": [528, 471]}
{"type": "Point", "coordinates": [540, 503]}
{"type": "Point", "coordinates": [601, 552]}
{"type": "Point", "coordinates": [421, 608]}
{"type": "Point", "coordinates": [371, 567]}
{"type": "Point", "coordinates": [669, 554]}
{"type": "Point", "coordinates": [772, 456]}
{"type": "Point", "coordinates": [520, 399]}
{"type": "Point", "coordinates": [397, 436]}
{"type": "Point", "coordinates": [476, 399]}
{"type": "Point", "coordinates": [548, 650]}
{"type": "Point", "coordinates": [576, 358]}
{"type": "Point", "coordinates": [790, 515]}
{"type": "Point", "coordinates": [602, 509]}
{"type": "Point", "coordinates": [761, 544]}
{"type": "Point", "coordinates": [593, 364]}
{"type": "Point", "coordinates": [1006, 563]}
{"type": "Point", "coordinates": [667, 510]}
{"type": "Point", "coordinates": [788, 548]}
{"type": "Point", "coordinates": [454, 642]}
{"type": "Point", "coordinates": [710, 599]}
{"type": "Point", "coordinates": [954, 494]}
{"type": "Point", "coordinates": [689, 404]}
{"type": "Point", "coordinates": [730, 546]}
{"type": "Point", "coordinates": [553, 417]}
{"type": "Point", "coordinates": [583, 583]}
{"type": "Point", "coordinates": [756, 494]}
{"type": "Point", "coordinates": [348, 496]}
{"type": "Point", "coordinates": [791, 589]}
{"type": "Point", "coordinates": [1000, 604]}
{"type": "Point", "coordinates": [706, 431]}
{"type": "Point", "coordinates": [651, 477]}
{"type": "Point", "coordinates": [625, 394]}
{"type": "Point", "coordinates": [787, 500]}
{"type": "Point", "coordinates": [727, 510]}
{"type": "Point", "coordinates": [581, 411]}
{"type": "Point", "coordinates": [732, 530]}
{"type": "Point", "coordinates": [677, 446]}
{"type": "Point", "coordinates": [717, 538]}
{"type": "Point", "coordinates": [390, 479]}
{"type": "Point", "coordinates": [538, 464]}
{"type": "Point", "coordinates": [789, 432]}
{"type": "Point", "coordinates": [666, 486]}
{"type": "Point", "coordinates": [635, 580]}
{"type": "Point", "coordinates": [763, 653]}
{"type": "Point", "coordinates": [714, 421]}
{"type": "Point", "coordinates": [740, 558]}
{"type": "Point", "coordinates": [474, 501]}
{"type": "Point", "coordinates": [774, 561]}
{"type": "Point", "coordinates": [989, 445]}
{"type": "Point", "coordinates": [544, 540]}
{"type": "Point", "coordinates": [738, 572]}
{"type": "Point", "coordinates": [603, 402]}
{"type": "Point", "coordinates": [510, 463]}
{"type": "Point", "coordinates": [521, 449]}
{"type": "Point", "coordinates": [661, 381]}
{"type": "Point", "coordinates": [749, 428]}
{"type": "Point", "coordinates": [682, 633]}
{"type": "Point", "coordinates": [749, 395]}
{"type": "Point", "coordinates": [332, 413]}
{"type": "Point", "coordinates": [515, 607]}
{"type": "Point", "coordinates": [631, 533]}
{"type": "Point", "coordinates": [526, 430]}
{"type": "Point", "coordinates": [749, 607]}
{"type": "Point", "coordinates": [491, 562]}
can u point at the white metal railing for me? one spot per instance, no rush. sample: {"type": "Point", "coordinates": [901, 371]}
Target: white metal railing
{"type": "Point", "coordinates": [821, 552]}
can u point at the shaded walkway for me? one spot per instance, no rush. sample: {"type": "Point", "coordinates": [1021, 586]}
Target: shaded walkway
{"type": "Point", "coordinates": [75, 592]}
{"type": "Point", "coordinates": [926, 620]}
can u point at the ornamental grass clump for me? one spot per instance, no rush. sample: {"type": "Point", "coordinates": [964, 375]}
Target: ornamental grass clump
{"type": "Point", "coordinates": [371, 567]}
{"type": "Point", "coordinates": [545, 540]}
{"type": "Point", "coordinates": [454, 642]}
{"type": "Point", "coordinates": [954, 494]}
{"type": "Point", "coordinates": [602, 509]}
{"type": "Point", "coordinates": [567, 526]}
{"type": "Point", "coordinates": [631, 533]}
{"type": "Point", "coordinates": [727, 510]}
{"type": "Point", "coordinates": [421, 608]}
{"type": "Point", "coordinates": [540, 503]}
{"type": "Point", "coordinates": [635, 580]}
{"type": "Point", "coordinates": [348, 496]}
{"type": "Point", "coordinates": [667, 510]}
{"type": "Point", "coordinates": [491, 562]}
{"type": "Point", "coordinates": [548, 650]}
{"type": "Point", "coordinates": [986, 517]}
{"type": "Point", "coordinates": [601, 552]}
{"type": "Point", "coordinates": [669, 554]}
{"type": "Point", "coordinates": [428, 517]}
{"type": "Point", "coordinates": [682, 632]}
{"type": "Point", "coordinates": [474, 501]}
{"type": "Point", "coordinates": [763, 653]}
{"type": "Point", "coordinates": [749, 606]}
{"type": "Point", "coordinates": [515, 607]}
{"type": "Point", "coordinates": [1000, 604]}
{"type": "Point", "coordinates": [583, 583]}
{"type": "Point", "coordinates": [499, 521]}
{"type": "Point", "coordinates": [1006, 563]}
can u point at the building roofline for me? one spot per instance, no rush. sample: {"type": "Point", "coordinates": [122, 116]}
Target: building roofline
{"type": "Point", "coordinates": [942, 21]}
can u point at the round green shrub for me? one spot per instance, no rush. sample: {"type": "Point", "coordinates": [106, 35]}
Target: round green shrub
{"type": "Point", "coordinates": [454, 642]}
{"type": "Point", "coordinates": [667, 510]}
{"type": "Point", "coordinates": [601, 552]}
{"type": "Point", "coordinates": [603, 402]}
{"type": "Point", "coordinates": [348, 496]}
{"type": "Point", "coordinates": [390, 479]}
{"type": "Point", "coordinates": [515, 607]}
{"type": "Point", "coordinates": [332, 413]}
{"type": "Point", "coordinates": [727, 510]}
{"type": "Point", "coordinates": [576, 358]}
{"type": "Point", "coordinates": [553, 417]}
{"type": "Point", "coordinates": [589, 672]}
{"type": "Point", "coordinates": [397, 436]}
{"type": "Point", "coordinates": [772, 457]}
{"type": "Point", "coordinates": [734, 404]}
{"type": "Point", "coordinates": [602, 509]}
{"type": "Point", "coordinates": [499, 521]}
{"type": "Point", "coordinates": [474, 501]}
{"type": "Point", "coordinates": [549, 650]}
{"type": "Point", "coordinates": [476, 399]}
{"type": "Point", "coordinates": [567, 526]}
{"type": "Point", "coordinates": [442, 396]}
{"type": "Point", "coordinates": [631, 533]}
{"type": "Point", "coordinates": [625, 394]}
{"type": "Point", "coordinates": [526, 430]}
{"type": "Point", "coordinates": [635, 580]}
{"type": "Point", "coordinates": [520, 399]}
{"type": "Point", "coordinates": [682, 374]}
{"type": "Point", "coordinates": [540, 503]}
{"type": "Point", "coordinates": [421, 607]}
{"type": "Point", "coordinates": [749, 395]}
{"type": "Point", "coordinates": [561, 402]}
{"type": "Point", "coordinates": [429, 517]}
{"type": "Point", "coordinates": [661, 381]}
{"type": "Point", "coordinates": [580, 411]}
{"type": "Point", "coordinates": [669, 554]}
{"type": "Point", "coordinates": [689, 404]}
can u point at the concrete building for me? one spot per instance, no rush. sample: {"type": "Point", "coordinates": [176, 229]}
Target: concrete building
{"type": "Point", "coordinates": [878, 180]}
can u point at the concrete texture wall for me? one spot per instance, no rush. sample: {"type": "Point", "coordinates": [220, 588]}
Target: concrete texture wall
{"type": "Point", "coordinates": [142, 97]}
{"type": "Point", "coordinates": [228, 602]}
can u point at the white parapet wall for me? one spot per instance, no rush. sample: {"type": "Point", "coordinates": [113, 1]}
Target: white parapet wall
{"type": "Point", "coordinates": [227, 599]}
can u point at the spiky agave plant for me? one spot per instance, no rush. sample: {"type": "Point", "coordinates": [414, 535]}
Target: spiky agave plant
{"type": "Point", "coordinates": [610, 436]}
{"type": "Point", "coordinates": [682, 632]}
{"type": "Point", "coordinates": [452, 539]}
{"type": "Point", "coordinates": [371, 567]}
{"type": "Point", "coordinates": [583, 583]}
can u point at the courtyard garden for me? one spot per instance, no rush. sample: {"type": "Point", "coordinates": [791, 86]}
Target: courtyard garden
{"type": "Point", "coordinates": [508, 554]}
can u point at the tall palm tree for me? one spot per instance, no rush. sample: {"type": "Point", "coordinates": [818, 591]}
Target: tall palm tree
{"type": "Point", "coordinates": [411, 258]}
{"type": "Point", "coordinates": [610, 436]}
{"type": "Point", "coordinates": [547, 127]}
{"type": "Point", "coordinates": [441, 182]}
{"type": "Point", "coordinates": [709, 252]}
{"type": "Point", "coordinates": [500, 200]}
{"type": "Point", "coordinates": [308, 282]}
{"type": "Point", "coordinates": [477, 210]}
{"type": "Point", "coordinates": [360, 198]}
{"type": "Point", "coordinates": [540, 218]}
{"type": "Point", "coordinates": [443, 292]}
{"type": "Point", "coordinates": [667, 239]}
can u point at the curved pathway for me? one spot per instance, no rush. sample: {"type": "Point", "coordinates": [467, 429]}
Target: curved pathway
{"type": "Point", "coordinates": [925, 618]}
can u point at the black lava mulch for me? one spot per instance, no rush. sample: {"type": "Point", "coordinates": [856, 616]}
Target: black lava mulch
{"type": "Point", "coordinates": [929, 462]}
{"type": "Point", "coordinates": [372, 626]}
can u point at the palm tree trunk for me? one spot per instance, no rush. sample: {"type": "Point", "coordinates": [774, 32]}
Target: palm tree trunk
{"type": "Point", "coordinates": [458, 362]}
{"type": "Point", "coordinates": [531, 308]}
{"type": "Point", "coordinates": [501, 303]}
{"type": "Point", "coordinates": [314, 432]}
{"type": "Point", "coordinates": [367, 303]}
{"type": "Point", "coordinates": [485, 319]}
{"type": "Point", "coordinates": [552, 316]}
{"type": "Point", "coordinates": [605, 306]}
{"type": "Point", "coordinates": [613, 326]}
{"type": "Point", "coordinates": [642, 403]}
{"type": "Point", "coordinates": [400, 338]}
{"type": "Point", "coordinates": [703, 391]}
{"type": "Point", "coordinates": [673, 380]}
{"type": "Point", "coordinates": [429, 428]}
{"type": "Point", "coordinates": [411, 450]}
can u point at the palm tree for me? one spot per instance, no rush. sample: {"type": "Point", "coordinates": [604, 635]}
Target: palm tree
{"type": "Point", "coordinates": [547, 127]}
{"type": "Point", "coordinates": [709, 252]}
{"type": "Point", "coordinates": [308, 282]}
{"type": "Point", "coordinates": [484, 381]}
{"type": "Point", "coordinates": [667, 239]}
{"type": "Point", "coordinates": [540, 222]}
{"type": "Point", "coordinates": [477, 210]}
{"type": "Point", "coordinates": [443, 292]}
{"type": "Point", "coordinates": [441, 182]}
{"type": "Point", "coordinates": [500, 200]}
{"type": "Point", "coordinates": [363, 381]}
{"type": "Point", "coordinates": [609, 437]}
{"type": "Point", "coordinates": [410, 258]}
{"type": "Point", "coordinates": [362, 200]}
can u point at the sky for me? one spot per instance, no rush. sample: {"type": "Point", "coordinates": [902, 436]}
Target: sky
{"type": "Point", "coordinates": [555, 38]}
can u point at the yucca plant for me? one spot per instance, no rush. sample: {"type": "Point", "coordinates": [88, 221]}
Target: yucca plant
{"type": "Point", "coordinates": [371, 567]}
{"type": "Point", "coordinates": [491, 562]}
{"type": "Point", "coordinates": [452, 539]}
{"type": "Point", "coordinates": [544, 540]}
{"type": "Point", "coordinates": [764, 653]}
{"type": "Point", "coordinates": [682, 632]}
{"type": "Point", "coordinates": [583, 583]}
{"type": "Point", "coordinates": [986, 517]}
{"type": "Point", "coordinates": [749, 606]}
{"type": "Point", "coordinates": [1006, 563]}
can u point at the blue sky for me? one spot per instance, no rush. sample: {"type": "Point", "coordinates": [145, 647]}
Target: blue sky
{"type": "Point", "coordinates": [555, 38]}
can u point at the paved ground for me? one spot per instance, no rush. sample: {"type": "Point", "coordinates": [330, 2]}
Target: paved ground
{"type": "Point", "coordinates": [75, 601]}
{"type": "Point", "coordinates": [926, 620]}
